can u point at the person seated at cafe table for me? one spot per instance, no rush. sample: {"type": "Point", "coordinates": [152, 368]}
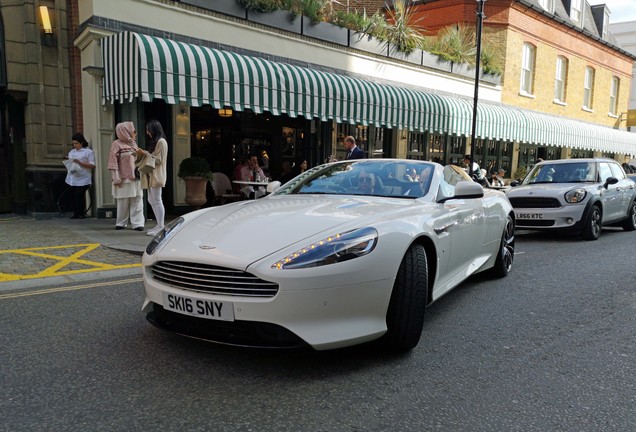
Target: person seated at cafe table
{"type": "Point", "coordinates": [253, 173]}
{"type": "Point", "coordinates": [497, 180]}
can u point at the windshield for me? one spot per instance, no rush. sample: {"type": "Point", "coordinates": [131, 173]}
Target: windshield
{"type": "Point", "coordinates": [394, 178]}
{"type": "Point", "coordinates": [572, 172]}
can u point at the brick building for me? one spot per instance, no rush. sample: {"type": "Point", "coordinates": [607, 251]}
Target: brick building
{"type": "Point", "coordinates": [559, 57]}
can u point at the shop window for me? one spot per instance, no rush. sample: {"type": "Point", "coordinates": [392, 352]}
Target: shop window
{"type": "Point", "coordinates": [527, 69]}
{"type": "Point", "coordinates": [560, 79]}
{"type": "Point", "coordinates": [416, 146]}
{"type": "Point", "coordinates": [456, 149]}
{"type": "Point", "coordinates": [581, 154]}
{"type": "Point", "coordinates": [492, 155]}
{"type": "Point", "coordinates": [613, 107]}
{"type": "Point", "coordinates": [588, 88]}
{"type": "Point", "coordinates": [437, 147]}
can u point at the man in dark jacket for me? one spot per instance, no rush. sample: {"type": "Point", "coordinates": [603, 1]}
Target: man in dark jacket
{"type": "Point", "coordinates": [353, 151]}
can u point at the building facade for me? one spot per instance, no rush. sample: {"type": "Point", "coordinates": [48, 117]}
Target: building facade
{"type": "Point", "coordinates": [625, 34]}
{"type": "Point", "coordinates": [226, 82]}
{"type": "Point", "coordinates": [36, 104]}
{"type": "Point", "coordinates": [559, 58]}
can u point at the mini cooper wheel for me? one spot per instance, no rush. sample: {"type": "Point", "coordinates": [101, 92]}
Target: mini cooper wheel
{"type": "Point", "coordinates": [629, 224]}
{"type": "Point", "coordinates": [593, 223]}
{"type": "Point", "coordinates": [405, 316]}
{"type": "Point", "coordinates": [506, 254]}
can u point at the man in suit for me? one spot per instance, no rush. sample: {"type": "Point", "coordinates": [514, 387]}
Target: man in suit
{"type": "Point", "coordinates": [353, 151]}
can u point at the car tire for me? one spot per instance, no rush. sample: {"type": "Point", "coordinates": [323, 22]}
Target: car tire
{"type": "Point", "coordinates": [593, 224]}
{"type": "Point", "coordinates": [405, 316]}
{"type": "Point", "coordinates": [629, 224]}
{"type": "Point", "coordinates": [506, 254]}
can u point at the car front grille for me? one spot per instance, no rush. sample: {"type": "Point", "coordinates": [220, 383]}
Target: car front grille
{"type": "Point", "coordinates": [535, 202]}
{"type": "Point", "coordinates": [534, 223]}
{"type": "Point", "coordinates": [212, 279]}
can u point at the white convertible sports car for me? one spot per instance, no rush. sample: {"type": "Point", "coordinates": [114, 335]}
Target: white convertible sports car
{"type": "Point", "coordinates": [345, 253]}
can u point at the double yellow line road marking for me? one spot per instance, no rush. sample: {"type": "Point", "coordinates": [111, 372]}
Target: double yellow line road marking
{"type": "Point", "coordinates": [68, 288]}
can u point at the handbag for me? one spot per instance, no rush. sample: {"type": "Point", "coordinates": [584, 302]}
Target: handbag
{"type": "Point", "coordinates": [145, 164]}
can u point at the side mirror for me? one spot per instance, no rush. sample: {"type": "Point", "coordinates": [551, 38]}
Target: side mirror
{"type": "Point", "coordinates": [467, 190]}
{"type": "Point", "coordinates": [514, 183]}
{"type": "Point", "coordinates": [610, 181]}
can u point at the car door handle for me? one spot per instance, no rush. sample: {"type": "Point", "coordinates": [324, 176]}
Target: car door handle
{"type": "Point", "coordinates": [444, 228]}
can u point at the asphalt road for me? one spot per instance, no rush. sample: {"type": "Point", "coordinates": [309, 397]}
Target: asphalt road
{"type": "Point", "coordinates": [552, 347]}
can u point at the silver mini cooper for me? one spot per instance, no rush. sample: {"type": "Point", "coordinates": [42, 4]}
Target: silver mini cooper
{"type": "Point", "coordinates": [575, 195]}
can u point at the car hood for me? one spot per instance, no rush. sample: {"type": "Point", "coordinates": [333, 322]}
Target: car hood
{"type": "Point", "coordinates": [546, 189]}
{"type": "Point", "coordinates": [239, 234]}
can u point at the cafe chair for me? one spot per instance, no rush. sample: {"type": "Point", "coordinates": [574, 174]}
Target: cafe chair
{"type": "Point", "coordinates": [223, 189]}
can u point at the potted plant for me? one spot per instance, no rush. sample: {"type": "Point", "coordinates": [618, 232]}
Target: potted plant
{"type": "Point", "coordinates": [196, 173]}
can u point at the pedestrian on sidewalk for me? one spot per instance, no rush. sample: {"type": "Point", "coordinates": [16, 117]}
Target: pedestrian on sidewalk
{"type": "Point", "coordinates": [155, 179]}
{"type": "Point", "coordinates": [80, 178]}
{"type": "Point", "coordinates": [126, 183]}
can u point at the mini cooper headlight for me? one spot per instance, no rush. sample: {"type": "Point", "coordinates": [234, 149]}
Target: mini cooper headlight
{"type": "Point", "coordinates": [575, 196]}
{"type": "Point", "coordinates": [163, 235]}
{"type": "Point", "coordinates": [337, 248]}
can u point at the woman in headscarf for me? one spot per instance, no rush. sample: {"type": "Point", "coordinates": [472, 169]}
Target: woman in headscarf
{"type": "Point", "coordinates": [155, 180]}
{"type": "Point", "coordinates": [126, 186]}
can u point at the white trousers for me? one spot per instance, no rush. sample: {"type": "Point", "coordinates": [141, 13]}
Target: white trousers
{"type": "Point", "coordinates": [130, 209]}
{"type": "Point", "coordinates": [154, 199]}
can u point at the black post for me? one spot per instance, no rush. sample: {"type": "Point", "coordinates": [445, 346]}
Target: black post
{"type": "Point", "coordinates": [480, 20]}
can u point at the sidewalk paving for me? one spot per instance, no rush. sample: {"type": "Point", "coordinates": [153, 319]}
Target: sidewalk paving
{"type": "Point", "coordinates": [64, 237]}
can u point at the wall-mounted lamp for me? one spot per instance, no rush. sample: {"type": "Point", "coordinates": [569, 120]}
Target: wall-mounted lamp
{"type": "Point", "coordinates": [225, 112]}
{"type": "Point", "coordinates": [48, 38]}
{"type": "Point", "coordinates": [404, 134]}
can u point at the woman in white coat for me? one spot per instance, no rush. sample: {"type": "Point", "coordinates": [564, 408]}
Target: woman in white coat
{"type": "Point", "coordinates": [155, 180]}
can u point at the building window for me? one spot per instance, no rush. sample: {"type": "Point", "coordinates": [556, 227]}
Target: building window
{"type": "Point", "coordinates": [576, 11]}
{"type": "Point", "coordinates": [560, 79]}
{"type": "Point", "coordinates": [416, 145]}
{"type": "Point", "coordinates": [548, 5]}
{"type": "Point", "coordinates": [613, 106]}
{"type": "Point", "coordinates": [527, 69]}
{"type": "Point", "coordinates": [588, 88]}
{"type": "Point", "coordinates": [606, 17]}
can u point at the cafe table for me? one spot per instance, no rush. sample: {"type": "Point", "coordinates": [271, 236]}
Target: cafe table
{"type": "Point", "coordinates": [255, 184]}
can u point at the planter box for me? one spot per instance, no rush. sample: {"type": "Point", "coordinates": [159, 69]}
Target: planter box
{"type": "Point", "coordinates": [364, 42]}
{"type": "Point", "coordinates": [279, 19]}
{"type": "Point", "coordinates": [326, 31]}
{"type": "Point", "coordinates": [464, 70]}
{"type": "Point", "coordinates": [434, 62]}
{"type": "Point", "coordinates": [227, 7]}
{"type": "Point", "coordinates": [491, 78]}
{"type": "Point", "coordinates": [415, 57]}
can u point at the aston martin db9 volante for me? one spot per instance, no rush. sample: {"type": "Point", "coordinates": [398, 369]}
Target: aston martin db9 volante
{"type": "Point", "coordinates": [345, 253]}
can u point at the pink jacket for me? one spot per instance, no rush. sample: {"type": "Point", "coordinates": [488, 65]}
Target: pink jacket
{"type": "Point", "coordinates": [121, 160]}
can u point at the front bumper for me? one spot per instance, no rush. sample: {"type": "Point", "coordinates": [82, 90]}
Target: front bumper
{"type": "Point", "coordinates": [565, 218]}
{"type": "Point", "coordinates": [310, 310]}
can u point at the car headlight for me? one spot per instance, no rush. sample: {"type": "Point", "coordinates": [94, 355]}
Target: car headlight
{"type": "Point", "coordinates": [575, 196]}
{"type": "Point", "coordinates": [337, 248]}
{"type": "Point", "coordinates": [163, 235]}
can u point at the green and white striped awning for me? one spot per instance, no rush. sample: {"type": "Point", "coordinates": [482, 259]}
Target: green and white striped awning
{"type": "Point", "coordinates": [146, 67]}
